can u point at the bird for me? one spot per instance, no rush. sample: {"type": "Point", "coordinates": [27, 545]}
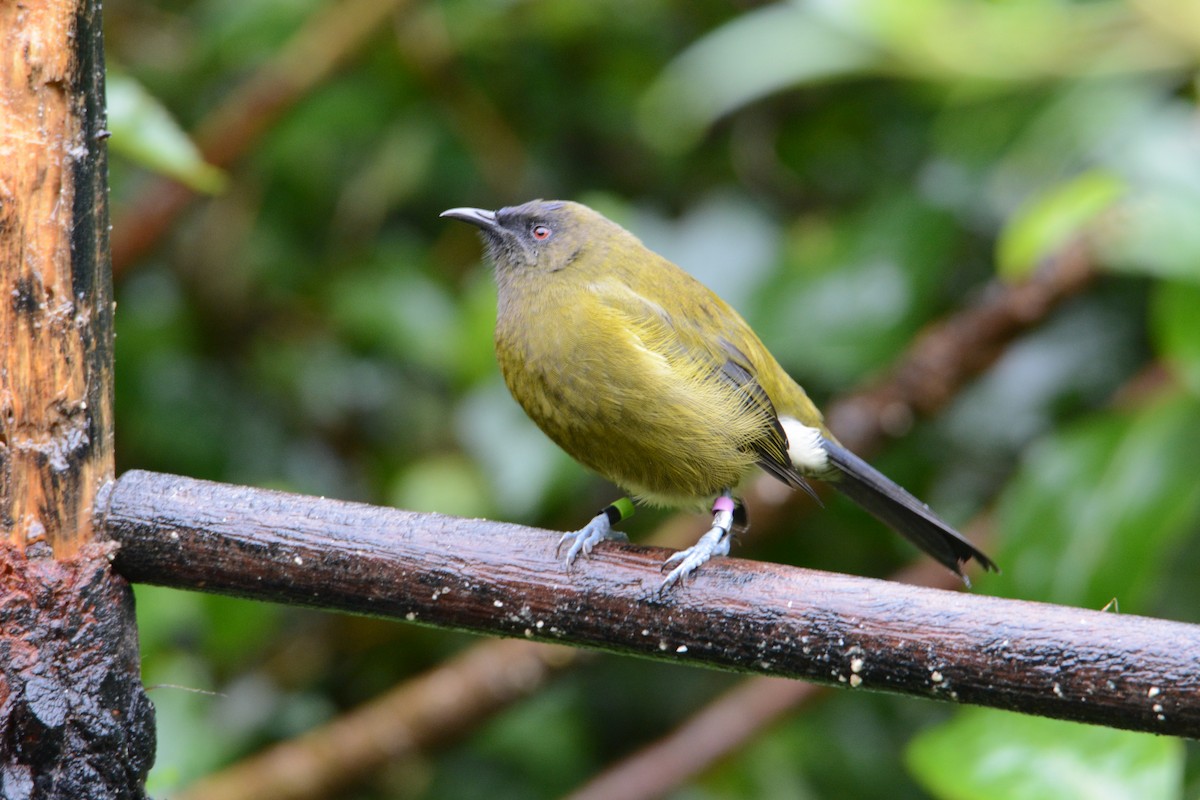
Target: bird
{"type": "Point", "coordinates": [644, 375]}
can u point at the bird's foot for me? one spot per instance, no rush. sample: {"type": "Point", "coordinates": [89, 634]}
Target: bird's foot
{"type": "Point", "coordinates": [713, 543]}
{"type": "Point", "coordinates": [597, 530]}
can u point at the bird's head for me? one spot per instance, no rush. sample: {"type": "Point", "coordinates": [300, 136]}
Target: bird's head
{"type": "Point", "coordinates": [538, 237]}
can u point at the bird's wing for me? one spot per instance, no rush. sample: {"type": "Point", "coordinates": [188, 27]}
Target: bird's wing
{"type": "Point", "coordinates": [711, 340]}
{"type": "Point", "coordinates": [738, 371]}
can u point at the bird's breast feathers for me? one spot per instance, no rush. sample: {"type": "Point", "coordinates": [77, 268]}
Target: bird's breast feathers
{"type": "Point", "coordinates": [631, 390]}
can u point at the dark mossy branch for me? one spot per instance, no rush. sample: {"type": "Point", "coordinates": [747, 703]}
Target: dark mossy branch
{"type": "Point", "coordinates": [864, 634]}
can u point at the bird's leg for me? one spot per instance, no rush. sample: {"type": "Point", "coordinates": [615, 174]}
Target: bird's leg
{"type": "Point", "coordinates": [597, 530]}
{"type": "Point", "coordinates": [741, 519]}
{"type": "Point", "coordinates": [713, 543]}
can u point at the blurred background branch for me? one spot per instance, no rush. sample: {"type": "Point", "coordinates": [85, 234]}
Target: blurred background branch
{"type": "Point", "coordinates": [233, 128]}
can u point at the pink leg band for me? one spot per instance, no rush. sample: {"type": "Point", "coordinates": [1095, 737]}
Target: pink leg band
{"type": "Point", "coordinates": [723, 503]}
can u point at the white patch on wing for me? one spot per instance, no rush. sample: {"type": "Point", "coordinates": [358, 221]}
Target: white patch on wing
{"type": "Point", "coordinates": [804, 447]}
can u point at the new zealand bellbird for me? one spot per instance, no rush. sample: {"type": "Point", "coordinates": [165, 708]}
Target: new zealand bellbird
{"type": "Point", "coordinates": [641, 373]}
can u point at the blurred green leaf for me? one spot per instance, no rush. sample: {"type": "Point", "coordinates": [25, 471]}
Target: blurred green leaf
{"type": "Point", "coordinates": [759, 52]}
{"type": "Point", "coordinates": [189, 746]}
{"type": "Point", "coordinates": [723, 241]}
{"type": "Point", "coordinates": [1095, 508]}
{"type": "Point", "coordinates": [1157, 235]}
{"type": "Point", "coordinates": [985, 754]}
{"type": "Point", "coordinates": [980, 44]}
{"type": "Point", "coordinates": [521, 464]}
{"type": "Point", "coordinates": [1176, 326]}
{"type": "Point", "coordinates": [167, 616]}
{"type": "Point", "coordinates": [449, 484]}
{"type": "Point", "coordinates": [543, 738]}
{"type": "Point", "coordinates": [852, 291]}
{"type": "Point", "coordinates": [237, 626]}
{"type": "Point", "coordinates": [1154, 230]}
{"type": "Point", "coordinates": [1051, 220]}
{"type": "Point", "coordinates": [145, 132]}
{"type": "Point", "coordinates": [399, 310]}
{"type": "Point", "coordinates": [974, 46]}
{"type": "Point", "coordinates": [476, 354]}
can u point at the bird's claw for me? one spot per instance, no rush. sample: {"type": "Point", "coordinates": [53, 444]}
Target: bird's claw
{"type": "Point", "coordinates": [713, 543]}
{"type": "Point", "coordinates": [584, 539]}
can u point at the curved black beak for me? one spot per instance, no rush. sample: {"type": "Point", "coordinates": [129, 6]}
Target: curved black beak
{"type": "Point", "coordinates": [480, 218]}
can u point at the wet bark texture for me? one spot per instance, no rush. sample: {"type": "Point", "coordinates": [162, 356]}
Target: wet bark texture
{"type": "Point", "coordinates": [1113, 669]}
{"type": "Point", "coordinates": [74, 719]}
{"type": "Point", "coordinates": [56, 303]}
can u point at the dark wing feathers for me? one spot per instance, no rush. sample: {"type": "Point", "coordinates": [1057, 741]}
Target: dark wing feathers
{"type": "Point", "coordinates": [739, 372]}
{"type": "Point", "coordinates": [900, 511]}
{"type": "Point", "coordinates": [772, 450]}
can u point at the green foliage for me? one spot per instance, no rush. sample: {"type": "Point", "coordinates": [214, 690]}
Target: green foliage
{"type": "Point", "coordinates": [984, 754]}
{"type": "Point", "coordinates": [1176, 327]}
{"type": "Point", "coordinates": [143, 131]}
{"type": "Point", "coordinates": [761, 52]}
{"type": "Point", "coordinates": [1048, 223]}
{"type": "Point", "coordinates": [845, 173]}
{"type": "Point", "coordinates": [861, 287]}
{"type": "Point", "coordinates": [1096, 508]}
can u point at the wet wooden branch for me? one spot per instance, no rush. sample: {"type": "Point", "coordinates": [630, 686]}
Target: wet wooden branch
{"type": "Point", "coordinates": [725, 725]}
{"type": "Point", "coordinates": [1119, 670]}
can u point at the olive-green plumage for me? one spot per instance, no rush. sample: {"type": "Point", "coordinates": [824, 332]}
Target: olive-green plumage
{"type": "Point", "coordinates": [621, 358]}
{"type": "Point", "coordinates": [639, 371]}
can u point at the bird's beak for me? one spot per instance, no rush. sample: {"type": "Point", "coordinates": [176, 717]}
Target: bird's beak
{"type": "Point", "coordinates": [480, 218]}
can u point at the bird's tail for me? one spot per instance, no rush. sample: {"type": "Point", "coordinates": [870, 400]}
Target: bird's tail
{"type": "Point", "coordinates": [900, 511]}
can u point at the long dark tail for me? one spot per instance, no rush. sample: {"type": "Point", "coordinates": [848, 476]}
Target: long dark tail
{"type": "Point", "coordinates": [900, 511]}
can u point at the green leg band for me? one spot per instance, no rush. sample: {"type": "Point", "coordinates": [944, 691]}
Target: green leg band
{"type": "Point", "coordinates": [619, 511]}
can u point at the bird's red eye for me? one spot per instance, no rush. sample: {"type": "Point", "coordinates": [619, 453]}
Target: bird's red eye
{"type": "Point", "coordinates": [540, 232]}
